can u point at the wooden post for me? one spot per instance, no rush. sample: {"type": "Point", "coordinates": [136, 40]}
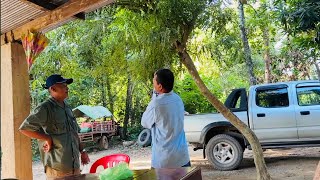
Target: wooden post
{"type": "Point", "coordinates": [15, 107]}
{"type": "Point", "coordinates": [317, 173]}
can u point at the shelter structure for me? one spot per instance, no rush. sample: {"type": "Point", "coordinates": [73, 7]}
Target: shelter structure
{"type": "Point", "coordinates": [93, 112]}
{"type": "Point", "coordinates": [17, 17]}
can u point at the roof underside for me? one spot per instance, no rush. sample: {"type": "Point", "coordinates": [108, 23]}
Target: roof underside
{"type": "Point", "coordinates": [16, 14]}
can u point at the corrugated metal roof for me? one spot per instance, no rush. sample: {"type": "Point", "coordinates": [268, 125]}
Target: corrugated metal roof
{"type": "Point", "coordinates": [15, 13]}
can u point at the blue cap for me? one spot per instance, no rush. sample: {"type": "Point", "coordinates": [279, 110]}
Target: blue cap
{"type": "Point", "coordinates": [56, 78]}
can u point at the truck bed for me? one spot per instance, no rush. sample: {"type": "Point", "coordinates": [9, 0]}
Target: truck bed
{"type": "Point", "coordinates": [107, 128]}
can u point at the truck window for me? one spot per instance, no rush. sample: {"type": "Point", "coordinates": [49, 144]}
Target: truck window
{"type": "Point", "coordinates": [271, 98]}
{"type": "Point", "coordinates": [308, 95]}
{"type": "Point", "coordinates": [237, 100]}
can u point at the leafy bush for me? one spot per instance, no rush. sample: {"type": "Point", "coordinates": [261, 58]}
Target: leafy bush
{"type": "Point", "coordinates": [134, 131]}
{"type": "Point", "coordinates": [194, 101]}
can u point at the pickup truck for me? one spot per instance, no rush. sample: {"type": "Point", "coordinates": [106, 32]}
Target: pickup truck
{"type": "Point", "coordinates": [282, 115]}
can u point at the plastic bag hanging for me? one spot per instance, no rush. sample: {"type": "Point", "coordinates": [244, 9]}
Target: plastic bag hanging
{"type": "Point", "coordinates": [33, 43]}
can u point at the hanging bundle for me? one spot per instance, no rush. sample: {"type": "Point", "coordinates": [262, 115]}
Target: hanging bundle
{"type": "Point", "coordinates": [33, 43]}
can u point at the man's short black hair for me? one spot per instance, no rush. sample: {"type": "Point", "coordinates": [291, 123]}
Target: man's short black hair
{"type": "Point", "coordinates": [165, 78]}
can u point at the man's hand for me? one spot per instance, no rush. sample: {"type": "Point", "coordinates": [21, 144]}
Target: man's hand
{"type": "Point", "coordinates": [47, 145]}
{"type": "Point", "coordinates": [84, 158]}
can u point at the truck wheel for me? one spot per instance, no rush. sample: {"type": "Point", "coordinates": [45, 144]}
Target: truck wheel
{"type": "Point", "coordinates": [144, 138]}
{"type": "Point", "coordinates": [103, 142]}
{"type": "Point", "coordinates": [224, 152]}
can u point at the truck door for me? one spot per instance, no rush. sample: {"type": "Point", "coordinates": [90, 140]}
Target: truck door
{"type": "Point", "coordinates": [307, 110]}
{"type": "Point", "coordinates": [272, 114]}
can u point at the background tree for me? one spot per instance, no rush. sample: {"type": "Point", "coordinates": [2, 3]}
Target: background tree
{"type": "Point", "coordinates": [246, 46]}
{"type": "Point", "coordinates": [301, 22]}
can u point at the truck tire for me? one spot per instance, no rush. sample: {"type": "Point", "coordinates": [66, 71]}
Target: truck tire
{"type": "Point", "coordinates": [144, 138]}
{"type": "Point", "coordinates": [103, 142]}
{"type": "Point", "coordinates": [224, 152]}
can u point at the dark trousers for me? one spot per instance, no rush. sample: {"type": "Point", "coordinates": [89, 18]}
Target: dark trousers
{"type": "Point", "coordinates": [187, 165]}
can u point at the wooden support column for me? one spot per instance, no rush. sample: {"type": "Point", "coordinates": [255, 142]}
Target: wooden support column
{"type": "Point", "coordinates": [317, 173]}
{"type": "Point", "coordinates": [15, 107]}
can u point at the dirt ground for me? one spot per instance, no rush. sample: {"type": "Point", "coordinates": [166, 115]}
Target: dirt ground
{"type": "Point", "coordinates": [288, 164]}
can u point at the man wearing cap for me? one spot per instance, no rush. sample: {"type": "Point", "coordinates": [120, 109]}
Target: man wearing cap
{"type": "Point", "coordinates": [52, 123]}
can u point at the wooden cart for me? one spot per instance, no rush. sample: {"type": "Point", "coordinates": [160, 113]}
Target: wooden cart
{"type": "Point", "coordinates": [101, 133]}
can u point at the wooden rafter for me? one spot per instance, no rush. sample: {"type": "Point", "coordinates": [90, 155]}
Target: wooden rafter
{"type": "Point", "coordinates": [54, 17]}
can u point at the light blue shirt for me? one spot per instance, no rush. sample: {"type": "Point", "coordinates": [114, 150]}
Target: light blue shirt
{"type": "Point", "coordinates": [165, 117]}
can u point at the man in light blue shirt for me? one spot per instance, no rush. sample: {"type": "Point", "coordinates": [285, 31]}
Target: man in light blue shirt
{"type": "Point", "coordinates": [165, 117]}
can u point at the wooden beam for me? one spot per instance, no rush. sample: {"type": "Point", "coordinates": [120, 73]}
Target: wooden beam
{"type": "Point", "coordinates": [3, 39]}
{"type": "Point", "coordinates": [15, 107]}
{"type": "Point", "coordinates": [54, 17]}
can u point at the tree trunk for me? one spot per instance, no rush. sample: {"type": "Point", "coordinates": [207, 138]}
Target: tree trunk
{"type": "Point", "coordinates": [135, 113]}
{"type": "Point", "coordinates": [317, 66]}
{"type": "Point", "coordinates": [295, 70]}
{"type": "Point", "coordinates": [128, 106]}
{"type": "Point", "coordinates": [318, 70]}
{"type": "Point", "coordinates": [131, 113]}
{"type": "Point", "coordinates": [262, 173]}
{"type": "Point", "coordinates": [267, 60]}
{"type": "Point", "coordinates": [103, 97]}
{"type": "Point", "coordinates": [246, 47]}
{"type": "Point", "coordinates": [110, 97]}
